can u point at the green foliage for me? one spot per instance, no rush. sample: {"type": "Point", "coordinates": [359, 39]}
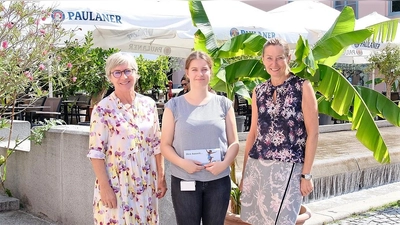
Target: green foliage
{"type": "Point", "coordinates": [28, 47]}
{"type": "Point", "coordinates": [38, 133]}
{"type": "Point", "coordinates": [29, 61]}
{"type": "Point", "coordinates": [152, 73]}
{"type": "Point", "coordinates": [312, 63]}
{"type": "Point", "coordinates": [3, 172]}
{"type": "Point", "coordinates": [235, 199]}
{"type": "Point", "coordinates": [387, 61]}
{"type": "Point", "coordinates": [87, 65]}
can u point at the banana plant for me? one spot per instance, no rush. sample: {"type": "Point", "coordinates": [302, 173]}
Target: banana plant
{"type": "Point", "coordinates": [336, 96]}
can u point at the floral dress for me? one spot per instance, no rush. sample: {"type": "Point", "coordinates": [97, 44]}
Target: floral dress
{"type": "Point", "coordinates": [127, 139]}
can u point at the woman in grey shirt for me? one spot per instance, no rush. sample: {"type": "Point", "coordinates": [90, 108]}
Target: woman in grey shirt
{"type": "Point", "coordinates": [200, 140]}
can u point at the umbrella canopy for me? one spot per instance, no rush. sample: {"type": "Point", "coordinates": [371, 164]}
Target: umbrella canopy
{"type": "Point", "coordinates": [162, 27]}
{"type": "Point", "coordinates": [359, 53]}
{"type": "Point", "coordinates": [354, 55]}
{"type": "Point", "coordinates": [310, 15]}
{"type": "Point", "coordinates": [313, 16]}
{"type": "Point", "coordinates": [370, 19]}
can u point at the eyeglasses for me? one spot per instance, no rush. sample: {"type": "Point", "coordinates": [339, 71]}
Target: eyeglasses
{"type": "Point", "coordinates": [184, 84]}
{"type": "Point", "coordinates": [118, 73]}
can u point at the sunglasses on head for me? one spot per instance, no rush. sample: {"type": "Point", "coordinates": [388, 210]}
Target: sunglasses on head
{"type": "Point", "coordinates": [118, 73]}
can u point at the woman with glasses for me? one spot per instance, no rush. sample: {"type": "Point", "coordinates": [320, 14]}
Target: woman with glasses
{"type": "Point", "coordinates": [124, 148]}
{"type": "Point", "coordinates": [200, 140]}
{"type": "Point", "coordinates": [185, 85]}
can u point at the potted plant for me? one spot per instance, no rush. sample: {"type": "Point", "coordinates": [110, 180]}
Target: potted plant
{"type": "Point", "coordinates": [387, 63]}
{"type": "Point", "coordinates": [313, 63]}
{"type": "Point", "coordinates": [152, 75]}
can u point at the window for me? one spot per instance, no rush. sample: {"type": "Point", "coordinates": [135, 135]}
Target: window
{"type": "Point", "coordinates": [394, 8]}
{"type": "Point", "coordinates": [339, 5]}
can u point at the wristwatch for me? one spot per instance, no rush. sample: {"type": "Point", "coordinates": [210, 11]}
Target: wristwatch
{"type": "Point", "coordinates": [306, 176]}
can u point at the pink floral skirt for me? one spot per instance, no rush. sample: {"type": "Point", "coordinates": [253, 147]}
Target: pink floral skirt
{"type": "Point", "coordinates": [271, 192]}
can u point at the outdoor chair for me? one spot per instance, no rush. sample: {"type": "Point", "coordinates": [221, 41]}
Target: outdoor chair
{"type": "Point", "coordinates": [81, 108]}
{"type": "Point", "coordinates": [51, 110]}
{"type": "Point", "coordinates": [68, 108]}
{"type": "Point", "coordinates": [30, 111]}
{"type": "Point", "coordinates": [244, 109]}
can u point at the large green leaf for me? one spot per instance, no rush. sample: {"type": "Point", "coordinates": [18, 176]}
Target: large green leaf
{"type": "Point", "coordinates": [343, 24]}
{"type": "Point", "coordinates": [325, 107]}
{"type": "Point", "coordinates": [384, 31]}
{"type": "Point", "coordinates": [200, 41]}
{"type": "Point", "coordinates": [244, 44]}
{"type": "Point", "coordinates": [380, 105]}
{"type": "Point", "coordinates": [304, 57]}
{"type": "Point", "coordinates": [334, 46]}
{"type": "Point", "coordinates": [226, 80]}
{"type": "Point", "coordinates": [336, 87]}
{"type": "Point", "coordinates": [200, 20]}
{"type": "Point", "coordinates": [245, 68]}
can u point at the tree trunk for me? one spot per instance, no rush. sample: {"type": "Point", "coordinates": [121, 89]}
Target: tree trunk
{"type": "Point", "coordinates": [388, 90]}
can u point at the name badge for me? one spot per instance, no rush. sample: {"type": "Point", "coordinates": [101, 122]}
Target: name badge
{"type": "Point", "coordinates": [188, 185]}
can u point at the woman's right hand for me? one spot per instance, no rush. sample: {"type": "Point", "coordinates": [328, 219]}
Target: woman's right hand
{"type": "Point", "coordinates": [191, 166]}
{"type": "Point", "coordinates": [108, 197]}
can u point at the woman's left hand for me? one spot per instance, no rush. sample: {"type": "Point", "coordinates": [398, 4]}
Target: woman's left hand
{"type": "Point", "coordinates": [215, 167]}
{"type": "Point", "coordinates": [162, 187]}
{"type": "Point", "coordinates": [306, 187]}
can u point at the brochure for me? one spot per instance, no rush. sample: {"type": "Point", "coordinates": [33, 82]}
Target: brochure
{"type": "Point", "coordinates": [203, 155]}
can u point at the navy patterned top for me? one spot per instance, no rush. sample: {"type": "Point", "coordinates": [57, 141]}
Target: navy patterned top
{"type": "Point", "coordinates": [281, 133]}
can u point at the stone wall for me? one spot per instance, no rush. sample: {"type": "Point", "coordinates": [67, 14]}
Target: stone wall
{"type": "Point", "coordinates": [55, 179]}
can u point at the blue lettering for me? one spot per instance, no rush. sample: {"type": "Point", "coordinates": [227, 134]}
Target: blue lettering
{"type": "Point", "coordinates": [112, 18]}
{"type": "Point", "coordinates": [368, 45]}
{"type": "Point", "coordinates": [78, 16]}
{"type": "Point", "coordinates": [98, 17]}
{"type": "Point", "coordinates": [266, 35]}
{"type": "Point", "coordinates": [85, 15]}
{"type": "Point", "coordinates": [70, 15]}
{"type": "Point", "coordinates": [88, 15]}
{"type": "Point", "coordinates": [118, 19]}
{"type": "Point", "coordinates": [105, 17]}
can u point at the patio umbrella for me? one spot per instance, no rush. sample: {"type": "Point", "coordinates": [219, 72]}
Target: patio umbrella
{"type": "Point", "coordinates": [162, 27]}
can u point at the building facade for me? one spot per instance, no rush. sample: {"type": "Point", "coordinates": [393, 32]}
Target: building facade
{"type": "Point", "coordinates": [390, 9]}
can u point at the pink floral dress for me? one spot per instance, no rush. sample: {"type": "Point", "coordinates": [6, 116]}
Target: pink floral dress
{"type": "Point", "coordinates": [127, 139]}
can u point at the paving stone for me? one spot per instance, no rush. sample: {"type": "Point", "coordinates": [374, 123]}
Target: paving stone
{"type": "Point", "coordinates": [386, 216]}
{"type": "Point", "coordinates": [7, 203]}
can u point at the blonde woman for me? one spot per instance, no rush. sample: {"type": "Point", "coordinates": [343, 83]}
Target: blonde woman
{"type": "Point", "coordinates": [281, 143]}
{"type": "Point", "coordinates": [124, 148]}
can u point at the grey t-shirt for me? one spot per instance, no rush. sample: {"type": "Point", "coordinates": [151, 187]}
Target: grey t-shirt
{"type": "Point", "coordinates": [199, 127]}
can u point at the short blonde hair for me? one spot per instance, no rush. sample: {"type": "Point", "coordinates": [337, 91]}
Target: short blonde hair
{"type": "Point", "coordinates": [277, 42]}
{"type": "Point", "coordinates": [121, 58]}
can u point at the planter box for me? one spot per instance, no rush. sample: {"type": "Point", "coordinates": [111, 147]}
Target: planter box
{"type": "Point", "coordinates": [233, 219]}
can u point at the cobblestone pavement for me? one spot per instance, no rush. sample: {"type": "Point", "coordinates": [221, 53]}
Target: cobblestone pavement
{"type": "Point", "coordinates": [387, 216]}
